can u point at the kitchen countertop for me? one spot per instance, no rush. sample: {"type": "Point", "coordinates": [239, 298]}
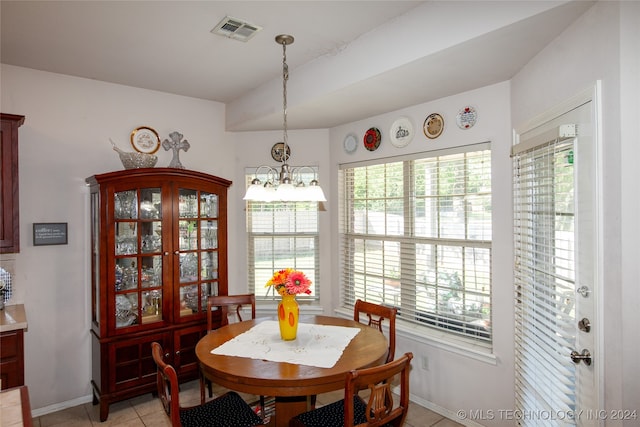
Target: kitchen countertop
{"type": "Point", "coordinates": [13, 317]}
{"type": "Point", "coordinates": [15, 410]}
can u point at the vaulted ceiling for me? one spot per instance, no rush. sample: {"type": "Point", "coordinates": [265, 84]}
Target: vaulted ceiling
{"type": "Point", "coordinates": [350, 59]}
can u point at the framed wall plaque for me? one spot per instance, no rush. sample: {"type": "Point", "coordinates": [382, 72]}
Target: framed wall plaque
{"type": "Point", "coordinates": [49, 233]}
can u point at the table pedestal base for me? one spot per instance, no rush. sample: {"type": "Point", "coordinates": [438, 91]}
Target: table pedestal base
{"type": "Point", "coordinates": [287, 408]}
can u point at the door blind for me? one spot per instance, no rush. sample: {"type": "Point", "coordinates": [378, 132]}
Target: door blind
{"type": "Point", "coordinates": [544, 279]}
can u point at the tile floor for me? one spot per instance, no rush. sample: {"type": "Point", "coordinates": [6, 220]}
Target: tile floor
{"type": "Point", "coordinates": [146, 411]}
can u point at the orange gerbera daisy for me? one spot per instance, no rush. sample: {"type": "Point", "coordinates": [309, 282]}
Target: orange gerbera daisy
{"type": "Point", "coordinates": [290, 282]}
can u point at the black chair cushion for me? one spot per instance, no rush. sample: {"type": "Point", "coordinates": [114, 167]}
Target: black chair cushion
{"type": "Point", "coordinates": [227, 410]}
{"type": "Point", "coordinates": [332, 415]}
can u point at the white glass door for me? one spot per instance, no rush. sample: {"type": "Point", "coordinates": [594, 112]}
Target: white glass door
{"type": "Point", "coordinates": [555, 173]}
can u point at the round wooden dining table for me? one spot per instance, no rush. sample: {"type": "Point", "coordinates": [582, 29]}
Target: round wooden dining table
{"type": "Point", "coordinates": [290, 384]}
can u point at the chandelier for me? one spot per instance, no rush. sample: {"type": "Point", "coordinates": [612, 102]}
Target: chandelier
{"type": "Point", "coordinates": [287, 184]}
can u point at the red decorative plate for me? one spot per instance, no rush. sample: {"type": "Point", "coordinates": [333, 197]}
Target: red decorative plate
{"type": "Point", "coordinates": [372, 138]}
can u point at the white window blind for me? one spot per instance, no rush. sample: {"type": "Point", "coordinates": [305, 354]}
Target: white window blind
{"type": "Point", "coordinates": [282, 235]}
{"type": "Point", "coordinates": [416, 234]}
{"type": "Point", "coordinates": [544, 278]}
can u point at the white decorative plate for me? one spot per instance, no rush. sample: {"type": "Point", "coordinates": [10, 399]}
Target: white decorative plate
{"type": "Point", "coordinates": [401, 132]}
{"type": "Point", "coordinates": [350, 143]}
{"type": "Point", "coordinates": [466, 117]}
{"type": "Point", "coordinates": [145, 140]}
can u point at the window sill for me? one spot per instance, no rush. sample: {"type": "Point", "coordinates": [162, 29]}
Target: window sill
{"type": "Point", "coordinates": [438, 340]}
{"type": "Point", "coordinates": [270, 309]}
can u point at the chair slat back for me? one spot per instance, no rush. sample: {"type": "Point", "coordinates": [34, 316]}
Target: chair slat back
{"type": "Point", "coordinates": [380, 405]}
{"type": "Point", "coordinates": [224, 302]}
{"type": "Point", "coordinates": [167, 382]}
{"type": "Point", "coordinates": [376, 314]}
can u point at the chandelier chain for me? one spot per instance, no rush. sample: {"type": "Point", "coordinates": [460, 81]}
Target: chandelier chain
{"type": "Point", "coordinates": [285, 77]}
{"type": "Point", "coordinates": [285, 185]}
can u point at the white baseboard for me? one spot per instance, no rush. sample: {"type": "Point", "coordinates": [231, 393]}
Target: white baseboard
{"type": "Point", "coordinates": [444, 412]}
{"type": "Point", "coordinates": [61, 405]}
{"type": "Point", "coordinates": [438, 409]}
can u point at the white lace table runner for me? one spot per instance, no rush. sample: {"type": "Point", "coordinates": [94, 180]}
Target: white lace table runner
{"type": "Point", "coordinates": [315, 345]}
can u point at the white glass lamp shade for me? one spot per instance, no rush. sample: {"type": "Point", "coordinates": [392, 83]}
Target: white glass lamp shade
{"type": "Point", "coordinates": [269, 194]}
{"type": "Point", "coordinates": [286, 193]}
{"type": "Point", "coordinates": [255, 192]}
{"type": "Point", "coordinates": [315, 194]}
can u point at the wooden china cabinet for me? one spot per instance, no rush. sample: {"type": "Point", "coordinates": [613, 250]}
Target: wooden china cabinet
{"type": "Point", "coordinates": [158, 249]}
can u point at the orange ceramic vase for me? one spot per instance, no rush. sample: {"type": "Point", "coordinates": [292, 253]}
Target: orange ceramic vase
{"type": "Point", "coordinates": [288, 313]}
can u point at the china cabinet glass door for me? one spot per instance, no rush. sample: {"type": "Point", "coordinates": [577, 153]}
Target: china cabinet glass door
{"type": "Point", "coordinates": [197, 249]}
{"type": "Point", "coordinates": [138, 256]}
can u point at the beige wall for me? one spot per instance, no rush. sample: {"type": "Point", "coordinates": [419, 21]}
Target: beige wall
{"type": "Point", "coordinates": [455, 377]}
{"type": "Point", "coordinates": [65, 138]}
{"type": "Point", "coordinates": [603, 45]}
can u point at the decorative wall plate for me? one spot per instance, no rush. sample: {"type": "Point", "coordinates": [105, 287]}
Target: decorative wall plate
{"type": "Point", "coordinates": [372, 138]}
{"type": "Point", "coordinates": [277, 152]}
{"type": "Point", "coordinates": [466, 117]}
{"type": "Point", "coordinates": [401, 132]}
{"type": "Point", "coordinates": [350, 143]}
{"type": "Point", "coordinates": [145, 140]}
{"type": "Point", "coordinates": [433, 125]}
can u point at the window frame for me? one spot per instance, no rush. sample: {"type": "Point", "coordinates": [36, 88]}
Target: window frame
{"type": "Point", "coordinates": [256, 286]}
{"type": "Point", "coordinates": [408, 241]}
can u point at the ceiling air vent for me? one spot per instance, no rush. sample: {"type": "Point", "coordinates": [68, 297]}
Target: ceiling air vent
{"type": "Point", "coordinates": [237, 29]}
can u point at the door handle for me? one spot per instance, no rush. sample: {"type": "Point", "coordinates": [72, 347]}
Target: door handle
{"type": "Point", "coordinates": [584, 291]}
{"type": "Point", "coordinates": [584, 325]}
{"type": "Point", "coordinates": [585, 356]}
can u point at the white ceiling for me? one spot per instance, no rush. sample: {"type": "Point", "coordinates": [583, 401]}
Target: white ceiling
{"type": "Point", "coordinates": [350, 59]}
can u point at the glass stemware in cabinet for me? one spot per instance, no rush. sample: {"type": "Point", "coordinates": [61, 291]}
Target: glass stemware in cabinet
{"type": "Point", "coordinates": [126, 238]}
{"type": "Point", "coordinates": [208, 205]}
{"type": "Point", "coordinates": [188, 235]}
{"type": "Point", "coordinates": [151, 306]}
{"type": "Point", "coordinates": [188, 203]}
{"type": "Point", "coordinates": [126, 310]}
{"type": "Point", "coordinates": [209, 265]}
{"type": "Point", "coordinates": [188, 300]}
{"type": "Point", "coordinates": [188, 267]}
{"type": "Point", "coordinates": [126, 274]}
{"type": "Point", "coordinates": [150, 205]}
{"type": "Point", "coordinates": [151, 240]}
{"type": "Point", "coordinates": [208, 234]}
{"type": "Point", "coordinates": [151, 271]}
{"type": "Point", "coordinates": [151, 220]}
{"type": "Point", "coordinates": [126, 204]}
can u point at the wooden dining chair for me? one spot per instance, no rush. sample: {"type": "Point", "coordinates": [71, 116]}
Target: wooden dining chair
{"type": "Point", "coordinates": [225, 410]}
{"type": "Point", "coordinates": [378, 409]}
{"type": "Point", "coordinates": [227, 305]}
{"type": "Point", "coordinates": [224, 303]}
{"type": "Point", "coordinates": [377, 314]}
